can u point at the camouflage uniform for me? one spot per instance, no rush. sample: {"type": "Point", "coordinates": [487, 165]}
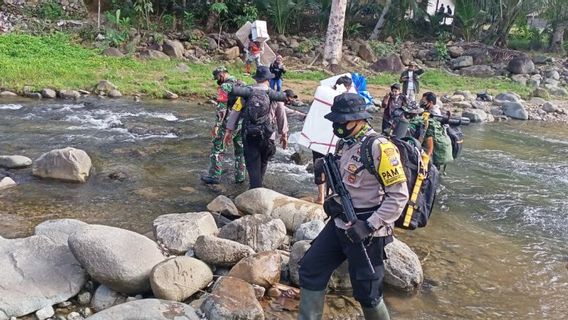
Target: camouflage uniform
{"type": "Point", "coordinates": [218, 147]}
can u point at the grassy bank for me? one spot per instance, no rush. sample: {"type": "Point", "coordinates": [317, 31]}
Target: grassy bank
{"type": "Point", "coordinates": [55, 62]}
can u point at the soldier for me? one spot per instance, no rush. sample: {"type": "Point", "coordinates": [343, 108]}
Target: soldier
{"type": "Point", "coordinates": [224, 103]}
{"type": "Point", "coordinates": [377, 209]}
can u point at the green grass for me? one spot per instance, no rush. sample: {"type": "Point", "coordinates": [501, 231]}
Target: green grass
{"type": "Point", "coordinates": [55, 62]}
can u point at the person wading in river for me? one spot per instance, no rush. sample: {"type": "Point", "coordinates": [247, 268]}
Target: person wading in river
{"type": "Point", "coordinates": [377, 209]}
{"type": "Point", "coordinates": [225, 84]}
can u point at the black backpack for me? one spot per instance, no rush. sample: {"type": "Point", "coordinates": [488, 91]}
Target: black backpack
{"type": "Point", "coordinates": [420, 176]}
{"type": "Point", "coordinates": [456, 135]}
{"type": "Point", "coordinates": [256, 116]}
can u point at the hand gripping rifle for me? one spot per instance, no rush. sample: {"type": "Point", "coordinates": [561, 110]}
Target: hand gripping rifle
{"type": "Point", "coordinates": [334, 181]}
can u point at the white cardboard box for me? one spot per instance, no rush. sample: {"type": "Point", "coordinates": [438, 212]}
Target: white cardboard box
{"type": "Point", "coordinates": [259, 31]}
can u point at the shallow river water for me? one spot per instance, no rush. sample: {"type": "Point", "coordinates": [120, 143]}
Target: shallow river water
{"type": "Point", "coordinates": [496, 247]}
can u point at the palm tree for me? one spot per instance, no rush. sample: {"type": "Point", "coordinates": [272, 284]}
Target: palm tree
{"type": "Point", "coordinates": [332, 53]}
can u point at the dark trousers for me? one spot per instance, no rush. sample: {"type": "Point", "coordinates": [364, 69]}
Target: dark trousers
{"type": "Point", "coordinates": [330, 249]}
{"type": "Point", "coordinates": [257, 155]}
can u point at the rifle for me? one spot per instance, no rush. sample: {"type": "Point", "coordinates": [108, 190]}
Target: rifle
{"type": "Point", "coordinates": [335, 182]}
{"type": "Point", "coordinates": [452, 121]}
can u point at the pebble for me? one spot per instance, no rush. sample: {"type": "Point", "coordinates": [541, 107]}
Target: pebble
{"type": "Point", "coordinates": [86, 312]}
{"type": "Point", "coordinates": [64, 304]}
{"type": "Point", "coordinates": [84, 298]}
{"type": "Point", "coordinates": [74, 316]}
{"type": "Point", "coordinates": [45, 313]}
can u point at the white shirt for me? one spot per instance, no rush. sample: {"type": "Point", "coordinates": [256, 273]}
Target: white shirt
{"type": "Point", "coordinates": [411, 80]}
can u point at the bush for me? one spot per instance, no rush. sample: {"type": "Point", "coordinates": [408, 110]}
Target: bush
{"type": "Point", "coordinates": [383, 48]}
{"type": "Point", "coordinates": [51, 10]}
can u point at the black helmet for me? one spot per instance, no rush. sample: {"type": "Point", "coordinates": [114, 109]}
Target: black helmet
{"type": "Point", "coordinates": [348, 107]}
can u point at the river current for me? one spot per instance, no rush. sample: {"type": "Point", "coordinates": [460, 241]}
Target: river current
{"type": "Point", "coordinates": [496, 246]}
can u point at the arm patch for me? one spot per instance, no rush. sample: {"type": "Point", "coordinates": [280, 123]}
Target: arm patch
{"type": "Point", "coordinates": [390, 167]}
{"type": "Point", "coordinates": [238, 106]}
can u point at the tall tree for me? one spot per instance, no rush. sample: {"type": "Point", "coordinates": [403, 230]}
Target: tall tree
{"type": "Point", "coordinates": [381, 23]}
{"type": "Point", "coordinates": [556, 11]}
{"type": "Point", "coordinates": [332, 53]}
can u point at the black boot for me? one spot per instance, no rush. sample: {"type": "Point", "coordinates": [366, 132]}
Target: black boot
{"type": "Point", "coordinates": [210, 179]}
{"type": "Point", "coordinates": [311, 304]}
{"type": "Point", "coordinates": [379, 312]}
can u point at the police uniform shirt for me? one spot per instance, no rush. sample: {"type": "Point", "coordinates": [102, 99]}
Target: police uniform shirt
{"type": "Point", "coordinates": [365, 190]}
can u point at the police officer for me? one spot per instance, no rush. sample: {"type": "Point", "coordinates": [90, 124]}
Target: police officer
{"type": "Point", "coordinates": [225, 84]}
{"type": "Point", "coordinates": [377, 209]}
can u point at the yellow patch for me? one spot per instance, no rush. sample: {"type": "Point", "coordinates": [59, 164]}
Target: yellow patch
{"type": "Point", "coordinates": [390, 167]}
{"type": "Point", "coordinates": [352, 178]}
{"type": "Point", "coordinates": [352, 168]}
{"type": "Point", "coordinates": [238, 106]}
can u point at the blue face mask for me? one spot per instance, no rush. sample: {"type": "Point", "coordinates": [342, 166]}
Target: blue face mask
{"type": "Point", "coordinates": [341, 131]}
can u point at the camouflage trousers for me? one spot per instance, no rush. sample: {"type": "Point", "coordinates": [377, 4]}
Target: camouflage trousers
{"type": "Point", "coordinates": [218, 152]}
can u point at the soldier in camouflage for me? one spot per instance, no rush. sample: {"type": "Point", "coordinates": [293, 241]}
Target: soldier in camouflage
{"type": "Point", "coordinates": [224, 103]}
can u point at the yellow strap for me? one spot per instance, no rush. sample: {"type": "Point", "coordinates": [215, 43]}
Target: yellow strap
{"type": "Point", "coordinates": [416, 190]}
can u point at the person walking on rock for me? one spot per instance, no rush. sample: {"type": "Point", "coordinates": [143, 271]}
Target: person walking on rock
{"type": "Point", "coordinates": [225, 84]}
{"type": "Point", "coordinates": [278, 70]}
{"type": "Point", "coordinates": [377, 205]}
{"type": "Point", "coordinates": [409, 79]}
{"type": "Point", "coordinates": [260, 117]}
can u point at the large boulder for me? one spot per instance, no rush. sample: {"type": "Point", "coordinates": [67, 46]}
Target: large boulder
{"type": "Point", "coordinates": [456, 51]}
{"type": "Point", "coordinates": [559, 92]}
{"type": "Point", "coordinates": [390, 63]}
{"type": "Point", "coordinates": [15, 162]}
{"type": "Point", "coordinates": [148, 309]}
{"type": "Point", "coordinates": [178, 278]}
{"type": "Point", "coordinates": [475, 115]}
{"type": "Point", "coordinates": [178, 232]}
{"type": "Point", "coordinates": [232, 53]}
{"type": "Point", "coordinates": [220, 252]}
{"type": "Point", "coordinates": [366, 52]}
{"type": "Point", "coordinates": [260, 232]}
{"type": "Point", "coordinates": [515, 110]}
{"type": "Point", "coordinates": [480, 55]}
{"type": "Point", "coordinates": [151, 54]}
{"type": "Point", "coordinates": [296, 254]}
{"type": "Point", "coordinates": [67, 164]}
{"type": "Point", "coordinates": [224, 206]}
{"type": "Point", "coordinates": [105, 298]}
{"type": "Point", "coordinates": [262, 269]}
{"type": "Point", "coordinates": [402, 268]}
{"type": "Point", "coordinates": [293, 212]}
{"type": "Point", "coordinates": [501, 98]}
{"type": "Point", "coordinates": [59, 230]}
{"type": "Point", "coordinates": [462, 62]}
{"type": "Point", "coordinates": [7, 182]}
{"type": "Point", "coordinates": [481, 71]}
{"type": "Point", "coordinates": [309, 230]}
{"type": "Point", "coordinates": [232, 298]}
{"type": "Point", "coordinates": [521, 65]}
{"type": "Point", "coordinates": [120, 259]}
{"type": "Point", "coordinates": [36, 272]}
{"type": "Point", "coordinates": [541, 93]}
{"type": "Point", "coordinates": [173, 48]}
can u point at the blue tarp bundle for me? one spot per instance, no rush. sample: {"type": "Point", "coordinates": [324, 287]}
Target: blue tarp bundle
{"type": "Point", "coordinates": [360, 83]}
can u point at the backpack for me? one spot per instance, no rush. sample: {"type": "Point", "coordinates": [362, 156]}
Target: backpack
{"type": "Point", "coordinates": [422, 179]}
{"type": "Point", "coordinates": [256, 117]}
{"type": "Point", "coordinates": [456, 136]}
{"type": "Point", "coordinates": [442, 144]}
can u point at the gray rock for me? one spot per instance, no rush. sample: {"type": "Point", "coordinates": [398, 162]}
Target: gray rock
{"type": "Point", "coordinates": [84, 298]}
{"type": "Point", "coordinates": [59, 230]}
{"type": "Point", "coordinates": [296, 254]}
{"type": "Point", "coordinates": [148, 309]}
{"type": "Point", "coordinates": [33, 95]}
{"type": "Point", "coordinates": [402, 269]}
{"type": "Point", "coordinates": [104, 86]}
{"type": "Point", "coordinates": [456, 51]}
{"type": "Point", "coordinates": [112, 52]}
{"type": "Point", "coordinates": [67, 164]}
{"type": "Point", "coordinates": [232, 53]}
{"type": "Point", "coordinates": [496, 111]}
{"type": "Point", "coordinates": [261, 269]}
{"type": "Point", "coordinates": [178, 232]}
{"type": "Point", "coordinates": [105, 298]}
{"type": "Point", "coordinates": [7, 94]}
{"type": "Point", "coordinates": [505, 97]}
{"type": "Point", "coordinates": [120, 259]}
{"type": "Point", "coordinates": [552, 74]}
{"type": "Point", "coordinates": [390, 63]}
{"type": "Point", "coordinates": [232, 298]}
{"type": "Point", "coordinates": [294, 44]}
{"type": "Point", "coordinates": [537, 101]}
{"type": "Point", "coordinates": [521, 65]}
{"type": "Point", "coordinates": [115, 94]}
{"type": "Point", "coordinates": [170, 95]}
{"type": "Point", "coordinates": [179, 278]}
{"type": "Point", "coordinates": [36, 272]}
{"type": "Point", "coordinates": [224, 206]}
{"type": "Point", "coordinates": [69, 94]}
{"type": "Point", "coordinates": [48, 93]}
{"type": "Point", "coordinates": [515, 110]}
{"type": "Point", "coordinates": [551, 82]}
{"type": "Point", "coordinates": [44, 313]}
{"type": "Point", "coordinates": [173, 48]}
{"type": "Point", "coordinates": [220, 252]}
{"type": "Point", "coordinates": [520, 79]}
{"type": "Point", "coordinates": [482, 71]}
{"type": "Point", "coordinates": [541, 59]}
{"type": "Point", "coordinates": [151, 54]}
{"type": "Point", "coordinates": [533, 83]}
{"type": "Point", "coordinates": [74, 316]}
{"type": "Point", "coordinates": [7, 182]}
{"type": "Point", "coordinates": [560, 92]}
{"type": "Point", "coordinates": [462, 105]}
{"type": "Point", "coordinates": [309, 230]}
{"type": "Point", "coordinates": [212, 44]}
{"type": "Point", "coordinates": [260, 232]}
{"type": "Point", "coordinates": [406, 57]}
{"type": "Point", "coordinates": [475, 115]}
{"type": "Point", "coordinates": [541, 93]}
{"type": "Point", "coordinates": [366, 52]}
{"type": "Point", "coordinates": [462, 62]}
{"type": "Point", "coordinates": [15, 162]}
{"type": "Point", "coordinates": [549, 107]}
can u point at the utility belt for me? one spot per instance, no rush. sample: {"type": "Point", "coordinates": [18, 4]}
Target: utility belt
{"type": "Point", "coordinates": [333, 210]}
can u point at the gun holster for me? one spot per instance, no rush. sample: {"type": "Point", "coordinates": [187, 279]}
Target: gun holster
{"type": "Point", "coordinates": [332, 208]}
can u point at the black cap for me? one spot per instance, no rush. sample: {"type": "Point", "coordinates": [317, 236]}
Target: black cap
{"type": "Point", "coordinates": [290, 94]}
{"type": "Point", "coordinates": [395, 86]}
{"type": "Point", "coordinates": [348, 107]}
{"type": "Point", "coordinates": [262, 74]}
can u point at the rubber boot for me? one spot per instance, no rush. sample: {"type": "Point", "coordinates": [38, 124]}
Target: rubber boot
{"type": "Point", "coordinates": [379, 312]}
{"type": "Point", "coordinates": [311, 304]}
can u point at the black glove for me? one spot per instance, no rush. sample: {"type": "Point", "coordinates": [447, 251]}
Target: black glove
{"type": "Point", "coordinates": [359, 231]}
{"type": "Point", "coordinates": [332, 208]}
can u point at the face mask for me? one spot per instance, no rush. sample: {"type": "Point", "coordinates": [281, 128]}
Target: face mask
{"type": "Point", "coordinates": [340, 130]}
{"type": "Point", "coordinates": [423, 105]}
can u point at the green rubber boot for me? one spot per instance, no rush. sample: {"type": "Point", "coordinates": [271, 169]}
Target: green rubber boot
{"type": "Point", "coordinates": [311, 304]}
{"type": "Point", "coordinates": [379, 312]}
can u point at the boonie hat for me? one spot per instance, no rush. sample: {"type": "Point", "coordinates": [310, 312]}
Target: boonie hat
{"type": "Point", "coordinates": [262, 74]}
{"type": "Point", "coordinates": [348, 107]}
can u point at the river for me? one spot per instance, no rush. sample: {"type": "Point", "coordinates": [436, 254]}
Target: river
{"type": "Point", "coordinates": [496, 246]}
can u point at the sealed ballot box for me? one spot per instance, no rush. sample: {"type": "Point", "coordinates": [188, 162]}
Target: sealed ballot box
{"type": "Point", "coordinates": [259, 31]}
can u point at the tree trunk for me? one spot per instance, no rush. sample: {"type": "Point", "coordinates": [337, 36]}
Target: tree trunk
{"type": "Point", "coordinates": [212, 19]}
{"type": "Point", "coordinates": [334, 38]}
{"type": "Point", "coordinates": [557, 40]}
{"type": "Point", "coordinates": [381, 23]}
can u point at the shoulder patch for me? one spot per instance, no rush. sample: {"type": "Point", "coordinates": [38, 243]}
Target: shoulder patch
{"type": "Point", "coordinates": [238, 106]}
{"type": "Point", "coordinates": [390, 167]}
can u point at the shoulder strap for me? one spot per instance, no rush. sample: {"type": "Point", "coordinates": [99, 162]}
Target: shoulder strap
{"type": "Point", "coordinates": [367, 155]}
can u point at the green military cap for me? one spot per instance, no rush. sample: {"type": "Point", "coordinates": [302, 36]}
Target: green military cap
{"type": "Point", "coordinates": [218, 71]}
